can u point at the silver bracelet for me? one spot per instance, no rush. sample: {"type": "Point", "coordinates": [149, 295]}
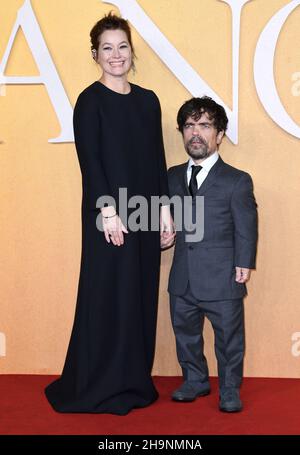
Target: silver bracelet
{"type": "Point", "coordinates": [111, 216]}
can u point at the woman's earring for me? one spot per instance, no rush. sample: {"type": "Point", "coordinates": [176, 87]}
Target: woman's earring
{"type": "Point", "coordinates": [94, 53]}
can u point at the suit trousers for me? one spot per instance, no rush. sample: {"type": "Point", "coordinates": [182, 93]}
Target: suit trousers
{"type": "Point", "coordinates": [227, 319]}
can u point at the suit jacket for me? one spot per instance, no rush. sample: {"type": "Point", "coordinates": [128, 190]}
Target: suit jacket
{"type": "Point", "coordinates": [230, 234]}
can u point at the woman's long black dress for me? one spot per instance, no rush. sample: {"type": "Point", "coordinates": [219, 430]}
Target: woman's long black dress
{"type": "Point", "coordinates": [109, 360]}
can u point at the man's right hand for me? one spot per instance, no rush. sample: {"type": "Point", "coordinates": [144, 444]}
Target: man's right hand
{"type": "Point", "coordinates": [167, 239]}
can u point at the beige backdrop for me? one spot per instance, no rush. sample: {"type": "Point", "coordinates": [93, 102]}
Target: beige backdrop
{"type": "Point", "coordinates": [40, 230]}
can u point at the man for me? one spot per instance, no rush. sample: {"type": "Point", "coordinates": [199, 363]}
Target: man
{"type": "Point", "coordinates": [208, 277]}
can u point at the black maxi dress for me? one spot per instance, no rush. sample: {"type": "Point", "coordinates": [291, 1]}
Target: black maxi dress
{"type": "Point", "coordinates": [110, 355]}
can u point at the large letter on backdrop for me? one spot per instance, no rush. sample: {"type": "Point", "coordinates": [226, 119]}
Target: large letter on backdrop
{"type": "Point", "coordinates": [191, 80]}
{"type": "Point", "coordinates": [264, 70]}
{"type": "Point", "coordinates": [48, 75]}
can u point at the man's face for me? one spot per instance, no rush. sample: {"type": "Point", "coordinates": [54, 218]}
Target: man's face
{"type": "Point", "coordinates": [200, 137]}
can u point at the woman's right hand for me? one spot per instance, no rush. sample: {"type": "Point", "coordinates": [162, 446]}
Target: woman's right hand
{"type": "Point", "coordinates": [113, 227]}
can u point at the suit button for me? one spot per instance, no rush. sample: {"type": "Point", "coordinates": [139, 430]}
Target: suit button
{"type": "Point", "coordinates": [191, 247]}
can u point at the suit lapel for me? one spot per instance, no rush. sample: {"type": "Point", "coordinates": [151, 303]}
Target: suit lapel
{"type": "Point", "coordinates": [211, 178]}
{"type": "Point", "coordinates": [183, 179]}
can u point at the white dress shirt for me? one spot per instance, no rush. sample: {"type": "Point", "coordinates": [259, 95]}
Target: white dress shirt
{"type": "Point", "coordinates": [207, 164]}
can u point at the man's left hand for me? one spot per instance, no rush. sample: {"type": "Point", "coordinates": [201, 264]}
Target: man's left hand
{"type": "Point", "coordinates": [242, 275]}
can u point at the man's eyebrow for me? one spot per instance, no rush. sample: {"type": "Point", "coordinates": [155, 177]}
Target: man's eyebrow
{"type": "Point", "coordinates": [200, 123]}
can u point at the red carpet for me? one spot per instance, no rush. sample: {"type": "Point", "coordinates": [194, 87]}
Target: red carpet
{"type": "Point", "coordinates": [271, 406]}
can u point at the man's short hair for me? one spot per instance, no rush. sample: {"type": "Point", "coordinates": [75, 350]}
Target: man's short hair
{"type": "Point", "coordinates": [195, 107]}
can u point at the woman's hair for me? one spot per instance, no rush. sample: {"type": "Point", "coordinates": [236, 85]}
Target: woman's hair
{"type": "Point", "coordinates": [110, 22]}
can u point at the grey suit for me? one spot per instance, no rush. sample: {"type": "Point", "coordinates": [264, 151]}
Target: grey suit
{"type": "Point", "coordinates": [202, 278]}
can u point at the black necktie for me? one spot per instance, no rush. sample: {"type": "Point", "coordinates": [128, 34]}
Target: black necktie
{"type": "Point", "coordinates": [193, 186]}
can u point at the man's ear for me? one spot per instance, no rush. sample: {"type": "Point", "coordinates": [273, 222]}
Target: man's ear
{"type": "Point", "coordinates": [220, 136]}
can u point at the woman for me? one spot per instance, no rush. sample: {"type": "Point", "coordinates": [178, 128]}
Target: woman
{"type": "Point", "coordinates": [117, 127]}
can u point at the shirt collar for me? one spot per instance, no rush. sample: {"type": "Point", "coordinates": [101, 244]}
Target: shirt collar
{"type": "Point", "coordinates": [207, 164]}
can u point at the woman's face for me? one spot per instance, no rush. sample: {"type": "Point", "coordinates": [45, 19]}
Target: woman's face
{"type": "Point", "coordinates": [114, 53]}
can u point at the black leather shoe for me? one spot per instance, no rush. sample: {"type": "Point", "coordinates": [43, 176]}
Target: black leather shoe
{"type": "Point", "coordinates": [189, 391]}
{"type": "Point", "coordinates": [230, 400]}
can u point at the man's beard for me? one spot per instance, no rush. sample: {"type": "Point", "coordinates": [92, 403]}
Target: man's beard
{"type": "Point", "coordinates": [197, 153]}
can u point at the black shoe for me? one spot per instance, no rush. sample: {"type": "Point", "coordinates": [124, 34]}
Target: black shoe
{"type": "Point", "coordinates": [189, 391]}
{"type": "Point", "coordinates": [230, 400]}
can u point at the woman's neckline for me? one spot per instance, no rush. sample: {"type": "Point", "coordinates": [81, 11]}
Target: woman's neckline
{"type": "Point", "coordinates": [114, 91]}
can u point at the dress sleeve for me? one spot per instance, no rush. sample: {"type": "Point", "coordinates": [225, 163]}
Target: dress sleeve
{"type": "Point", "coordinates": [162, 168]}
{"type": "Point", "coordinates": [87, 134]}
